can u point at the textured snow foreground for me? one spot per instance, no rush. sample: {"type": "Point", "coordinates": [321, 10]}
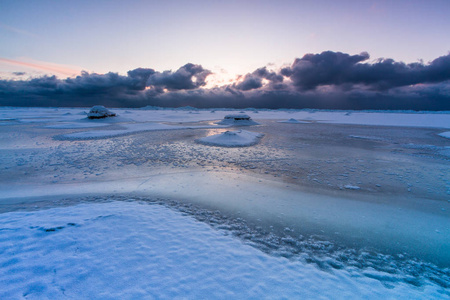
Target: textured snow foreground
{"type": "Point", "coordinates": [332, 205]}
{"type": "Point", "coordinates": [132, 250]}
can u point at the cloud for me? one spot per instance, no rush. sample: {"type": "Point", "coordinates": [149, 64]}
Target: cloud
{"type": "Point", "coordinates": [326, 68]}
{"type": "Point", "coordinates": [332, 80]}
{"type": "Point", "coordinates": [250, 82]}
{"type": "Point", "coordinates": [140, 77]}
{"type": "Point", "coordinates": [187, 77]}
{"type": "Point", "coordinates": [347, 71]}
{"type": "Point", "coordinates": [255, 80]}
{"type": "Point", "coordinates": [109, 89]}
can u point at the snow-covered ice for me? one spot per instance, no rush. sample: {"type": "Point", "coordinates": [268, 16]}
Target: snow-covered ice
{"type": "Point", "coordinates": [238, 138]}
{"type": "Point", "coordinates": [347, 205]}
{"type": "Point", "coordinates": [118, 250]}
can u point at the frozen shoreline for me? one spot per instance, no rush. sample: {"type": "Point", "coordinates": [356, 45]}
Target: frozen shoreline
{"type": "Point", "coordinates": [351, 186]}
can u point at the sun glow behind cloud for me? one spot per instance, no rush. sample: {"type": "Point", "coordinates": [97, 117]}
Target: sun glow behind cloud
{"type": "Point", "coordinates": [221, 77]}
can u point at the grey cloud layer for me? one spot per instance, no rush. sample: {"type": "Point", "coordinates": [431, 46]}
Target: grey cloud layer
{"type": "Point", "coordinates": [325, 80]}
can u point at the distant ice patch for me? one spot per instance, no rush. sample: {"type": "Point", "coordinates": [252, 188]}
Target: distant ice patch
{"type": "Point", "coordinates": [293, 121]}
{"type": "Point", "coordinates": [352, 187]}
{"type": "Point", "coordinates": [374, 138]}
{"type": "Point", "coordinates": [239, 138]}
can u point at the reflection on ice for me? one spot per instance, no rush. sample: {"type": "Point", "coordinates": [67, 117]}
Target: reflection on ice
{"type": "Point", "coordinates": [238, 138]}
{"type": "Point", "coordinates": [420, 229]}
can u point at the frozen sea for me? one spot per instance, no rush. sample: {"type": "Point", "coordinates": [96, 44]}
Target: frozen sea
{"type": "Point", "coordinates": [330, 204]}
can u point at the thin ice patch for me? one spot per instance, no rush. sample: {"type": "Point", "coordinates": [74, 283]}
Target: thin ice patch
{"type": "Point", "coordinates": [239, 138]}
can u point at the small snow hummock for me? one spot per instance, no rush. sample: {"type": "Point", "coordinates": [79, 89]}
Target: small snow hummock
{"type": "Point", "coordinates": [99, 112]}
{"type": "Point", "coordinates": [237, 119]}
{"type": "Point", "coordinates": [239, 138]}
{"type": "Point", "coordinates": [293, 121]}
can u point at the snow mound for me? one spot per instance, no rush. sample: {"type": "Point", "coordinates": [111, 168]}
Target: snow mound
{"type": "Point", "coordinates": [99, 112]}
{"type": "Point", "coordinates": [293, 121]}
{"type": "Point", "coordinates": [239, 138]}
{"type": "Point", "coordinates": [237, 120]}
{"type": "Point", "coordinates": [445, 134]}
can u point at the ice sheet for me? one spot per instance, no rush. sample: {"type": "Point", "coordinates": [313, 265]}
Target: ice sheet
{"type": "Point", "coordinates": [376, 193]}
{"type": "Point", "coordinates": [407, 118]}
{"type": "Point", "coordinates": [239, 138]}
{"type": "Point", "coordinates": [120, 250]}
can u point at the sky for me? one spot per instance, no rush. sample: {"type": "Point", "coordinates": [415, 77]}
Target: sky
{"type": "Point", "coordinates": [228, 38]}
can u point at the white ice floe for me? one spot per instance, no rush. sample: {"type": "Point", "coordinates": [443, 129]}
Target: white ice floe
{"type": "Point", "coordinates": [293, 121]}
{"type": "Point", "coordinates": [372, 138]}
{"type": "Point", "coordinates": [131, 250]}
{"type": "Point", "coordinates": [239, 138]}
{"type": "Point", "coordinates": [445, 134]}
{"type": "Point", "coordinates": [127, 129]}
{"type": "Point", "coordinates": [237, 120]}
{"type": "Point", "coordinates": [100, 112]}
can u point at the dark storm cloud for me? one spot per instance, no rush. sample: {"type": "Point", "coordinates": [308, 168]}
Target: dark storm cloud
{"type": "Point", "coordinates": [101, 84]}
{"type": "Point", "coordinates": [250, 82]}
{"type": "Point", "coordinates": [325, 68]}
{"type": "Point", "coordinates": [79, 91]}
{"type": "Point", "coordinates": [330, 80]}
{"type": "Point", "coordinates": [141, 75]}
{"type": "Point", "coordinates": [109, 89]}
{"type": "Point", "coordinates": [18, 73]}
{"type": "Point", "coordinates": [187, 77]}
{"type": "Point", "coordinates": [340, 69]}
{"type": "Point", "coordinates": [255, 80]}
